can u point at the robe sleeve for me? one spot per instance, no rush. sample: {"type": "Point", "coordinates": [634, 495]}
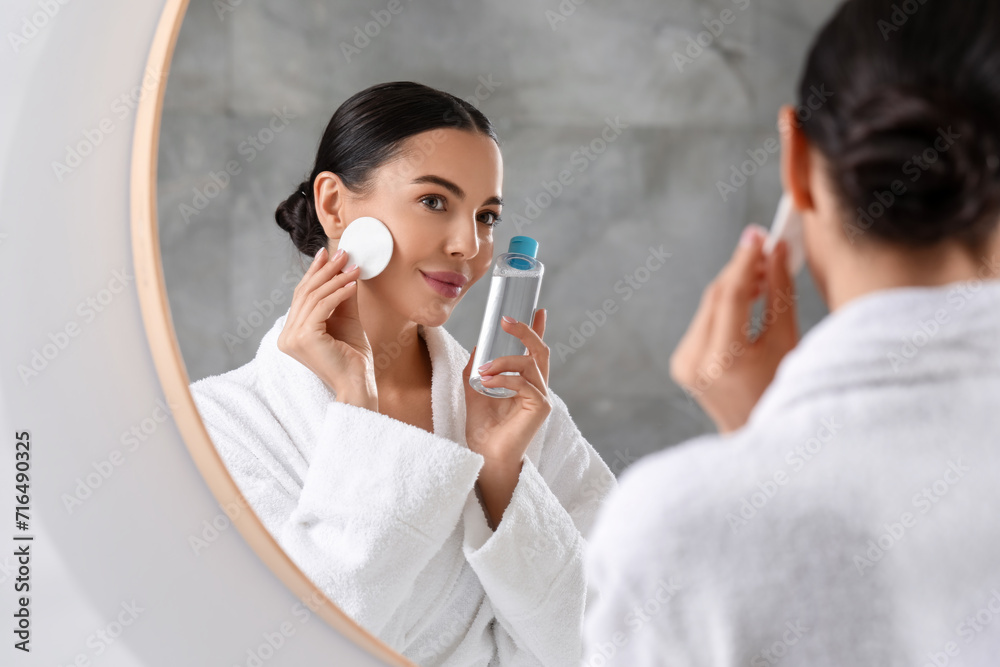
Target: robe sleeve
{"type": "Point", "coordinates": [377, 502]}
{"type": "Point", "coordinates": [532, 566]}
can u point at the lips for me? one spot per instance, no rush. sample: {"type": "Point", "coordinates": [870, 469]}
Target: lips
{"type": "Point", "coordinates": [449, 277]}
{"type": "Point", "coordinates": [445, 283]}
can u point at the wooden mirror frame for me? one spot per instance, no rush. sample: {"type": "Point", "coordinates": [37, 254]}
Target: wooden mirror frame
{"type": "Point", "coordinates": [167, 355]}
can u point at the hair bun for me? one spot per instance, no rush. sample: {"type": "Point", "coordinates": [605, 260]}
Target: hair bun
{"type": "Point", "coordinates": [922, 168]}
{"type": "Point", "coordinates": [297, 217]}
{"type": "Point", "coordinates": [909, 133]}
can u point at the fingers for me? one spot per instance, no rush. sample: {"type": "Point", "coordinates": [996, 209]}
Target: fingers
{"type": "Point", "coordinates": [538, 323]}
{"type": "Point", "coordinates": [518, 383]}
{"type": "Point", "coordinates": [341, 290]}
{"type": "Point", "coordinates": [330, 285]}
{"type": "Point", "coordinates": [522, 364]}
{"type": "Point", "coordinates": [781, 297]}
{"type": "Point", "coordinates": [530, 336]}
{"type": "Point", "coordinates": [306, 284]}
{"type": "Point", "coordinates": [321, 259]}
{"type": "Point", "coordinates": [321, 270]}
{"type": "Point", "coordinates": [532, 339]}
{"type": "Point", "coordinates": [738, 285]}
{"type": "Point", "coordinates": [311, 302]}
{"type": "Point", "coordinates": [691, 348]}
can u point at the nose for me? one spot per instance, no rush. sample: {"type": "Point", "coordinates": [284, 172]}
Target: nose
{"type": "Point", "coordinates": [463, 237]}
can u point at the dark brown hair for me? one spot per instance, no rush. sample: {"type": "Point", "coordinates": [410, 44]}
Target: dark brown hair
{"type": "Point", "coordinates": [365, 132]}
{"type": "Point", "coordinates": [914, 102]}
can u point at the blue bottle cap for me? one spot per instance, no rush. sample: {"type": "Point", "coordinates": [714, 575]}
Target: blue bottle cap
{"type": "Point", "coordinates": [524, 245]}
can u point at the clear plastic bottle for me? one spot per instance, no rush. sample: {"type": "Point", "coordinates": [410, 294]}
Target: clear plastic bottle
{"type": "Point", "coordinates": [517, 280]}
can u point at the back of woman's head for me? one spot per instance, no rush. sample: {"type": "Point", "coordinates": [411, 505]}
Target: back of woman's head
{"type": "Point", "coordinates": [908, 117]}
{"type": "Point", "coordinates": [365, 132]}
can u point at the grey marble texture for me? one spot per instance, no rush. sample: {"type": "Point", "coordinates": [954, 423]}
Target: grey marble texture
{"type": "Point", "coordinates": [655, 185]}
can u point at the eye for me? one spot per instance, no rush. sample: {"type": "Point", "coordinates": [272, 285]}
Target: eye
{"type": "Point", "coordinates": [491, 218]}
{"type": "Point", "coordinates": [434, 198]}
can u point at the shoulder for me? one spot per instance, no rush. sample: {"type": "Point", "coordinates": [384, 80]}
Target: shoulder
{"type": "Point", "coordinates": [680, 494]}
{"type": "Point", "coordinates": [682, 473]}
{"type": "Point", "coordinates": [226, 387]}
{"type": "Point", "coordinates": [729, 501]}
{"type": "Point", "coordinates": [242, 386]}
{"type": "Point", "coordinates": [228, 399]}
{"type": "Point", "coordinates": [246, 432]}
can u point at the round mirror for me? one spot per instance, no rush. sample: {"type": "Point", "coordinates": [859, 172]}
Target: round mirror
{"type": "Point", "coordinates": [634, 152]}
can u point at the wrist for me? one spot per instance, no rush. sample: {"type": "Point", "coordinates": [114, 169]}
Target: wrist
{"type": "Point", "coordinates": [482, 503]}
{"type": "Point", "coordinates": [361, 392]}
{"type": "Point", "coordinates": [495, 489]}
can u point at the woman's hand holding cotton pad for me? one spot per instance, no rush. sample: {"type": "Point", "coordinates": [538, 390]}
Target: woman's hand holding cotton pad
{"type": "Point", "coordinates": [368, 244]}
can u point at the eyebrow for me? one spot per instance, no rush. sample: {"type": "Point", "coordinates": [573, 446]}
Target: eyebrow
{"type": "Point", "coordinates": [457, 191]}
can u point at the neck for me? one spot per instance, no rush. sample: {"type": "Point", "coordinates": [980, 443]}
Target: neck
{"type": "Point", "coordinates": [402, 360]}
{"type": "Point", "coordinates": [878, 266]}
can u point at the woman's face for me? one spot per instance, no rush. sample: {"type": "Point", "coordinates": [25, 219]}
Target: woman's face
{"type": "Point", "coordinates": [440, 199]}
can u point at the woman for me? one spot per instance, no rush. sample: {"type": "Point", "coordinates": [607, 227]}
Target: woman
{"type": "Point", "coordinates": [448, 523]}
{"type": "Point", "coordinates": [848, 515]}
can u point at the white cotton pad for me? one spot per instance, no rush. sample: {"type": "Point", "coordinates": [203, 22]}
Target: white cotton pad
{"type": "Point", "coordinates": [368, 244]}
{"type": "Point", "coordinates": [787, 225]}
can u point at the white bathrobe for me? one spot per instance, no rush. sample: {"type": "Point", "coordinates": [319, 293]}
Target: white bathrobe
{"type": "Point", "coordinates": [854, 520]}
{"type": "Point", "coordinates": [384, 518]}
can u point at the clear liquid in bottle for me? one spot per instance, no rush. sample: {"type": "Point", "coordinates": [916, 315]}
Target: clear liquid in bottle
{"type": "Point", "coordinates": [514, 289]}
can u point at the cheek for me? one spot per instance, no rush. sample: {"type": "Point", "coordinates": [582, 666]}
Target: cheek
{"type": "Point", "coordinates": [412, 242]}
{"type": "Point", "coordinates": [484, 266]}
{"type": "Point", "coordinates": [485, 257]}
{"type": "Point", "coordinates": [405, 250]}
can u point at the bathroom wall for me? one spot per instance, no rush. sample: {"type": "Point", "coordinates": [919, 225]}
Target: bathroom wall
{"type": "Point", "coordinates": [551, 76]}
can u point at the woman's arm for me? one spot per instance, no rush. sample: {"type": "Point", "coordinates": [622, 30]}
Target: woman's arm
{"type": "Point", "coordinates": [495, 488]}
{"type": "Point", "coordinates": [376, 502]}
{"type": "Point", "coordinates": [532, 566]}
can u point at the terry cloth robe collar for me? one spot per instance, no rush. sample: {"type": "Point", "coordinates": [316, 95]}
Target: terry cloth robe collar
{"type": "Point", "coordinates": [886, 334]}
{"type": "Point", "coordinates": [298, 413]}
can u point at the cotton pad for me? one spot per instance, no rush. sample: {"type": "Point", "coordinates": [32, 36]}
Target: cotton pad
{"type": "Point", "coordinates": [368, 244]}
{"type": "Point", "coordinates": [787, 225]}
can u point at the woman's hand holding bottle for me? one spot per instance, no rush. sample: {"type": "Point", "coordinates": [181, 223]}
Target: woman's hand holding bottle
{"type": "Point", "coordinates": [500, 429]}
{"type": "Point", "coordinates": [324, 333]}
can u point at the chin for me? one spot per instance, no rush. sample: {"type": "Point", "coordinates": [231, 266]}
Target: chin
{"type": "Point", "coordinates": [434, 312]}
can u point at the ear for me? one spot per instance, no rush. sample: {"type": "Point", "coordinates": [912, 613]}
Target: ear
{"type": "Point", "coordinates": [330, 197]}
{"type": "Point", "coordinates": [795, 159]}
